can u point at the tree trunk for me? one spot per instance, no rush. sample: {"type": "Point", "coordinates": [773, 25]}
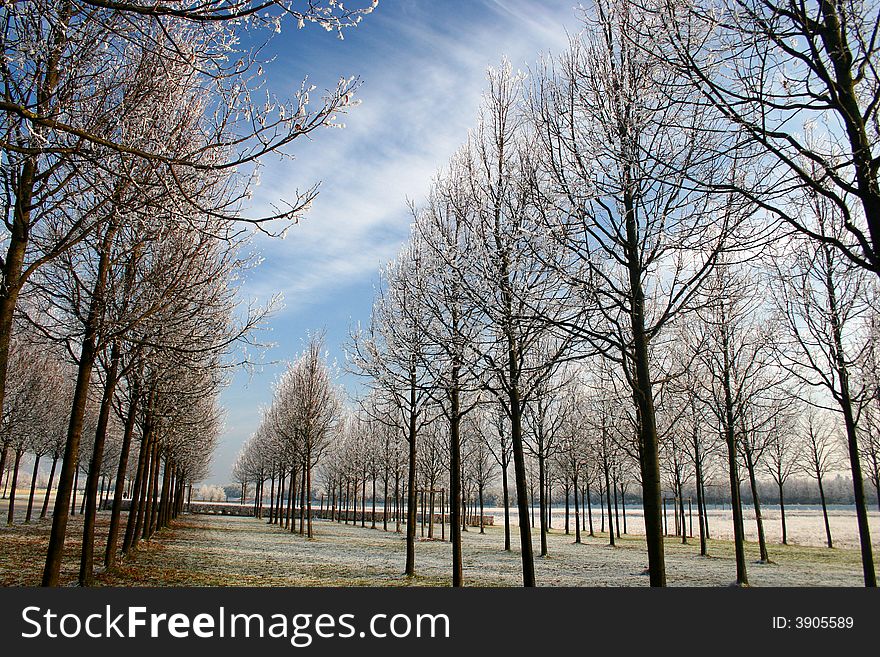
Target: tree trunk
{"type": "Point", "coordinates": [410, 569]}
{"type": "Point", "coordinates": [385, 500]}
{"type": "Point", "coordinates": [482, 527]}
{"type": "Point", "coordinates": [30, 506]}
{"type": "Point", "coordinates": [4, 454]}
{"type": "Point", "coordinates": [519, 463]}
{"type": "Point", "coordinates": [364, 498]}
{"type": "Point", "coordinates": [845, 400]}
{"type": "Point", "coordinates": [162, 508]}
{"type": "Point", "coordinates": [150, 518]}
{"type": "Point", "coordinates": [730, 438]}
{"type": "Point", "coordinates": [308, 483]}
{"type": "Point", "coordinates": [616, 516]}
{"type": "Point", "coordinates": [698, 468]}
{"type": "Point", "coordinates": [128, 540]}
{"type": "Point", "coordinates": [824, 509]}
{"type": "Point", "coordinates": [762, 541]}
{"type": "Point", "coordinates": [542, 499]}
{"type": "Point", "coordinates": [97, 461]}
{"type": "Point", "coordinates": [294, 488]}
{"type": "Point", "coordinates": [11, 515]}
{"type": "Point", "coordinates": [455, 484]}
{"type": "Point", "coordinates": [397, 500]}
{"type": "Point", "coordinates": [431, 511]}
{"type": "Point", "coordinates": [298, 496]}
{"type": "Point", "coordinates": [608, 498]}
{"type": "Point", "coordinates": [88, 354]}
{"type": "Point", "coordinates": [567, 491]}
{"type": "Point", "coordinates": [589, 497]}
{"type": "Point", "coordinates": [143, 523]}
{"type": "Point", "coordinates": [144, 496]}
{"type": "Point", "coordinates": [782, 513]}
{"type": "Point", "coordinates": [45, 508]}
{"type": "Point", "coordinates": [506, 496]}
{"type": "Point", "coordinates": [121, 472]}
{"type": "Point", "coordinates": [13, 265]}
{"type": "Point", "coordinates": [272, 495]}
{"type": "Point", "coordinates": [649, 456]}
{"type": "Point", "coordinates": [680, 511]}
{"type": "Point", "coordinates": [279, 504]}
{"type": "Point", "coordinates": [75, 488]}
{"type": "Point", "coordinates": [102, 492]}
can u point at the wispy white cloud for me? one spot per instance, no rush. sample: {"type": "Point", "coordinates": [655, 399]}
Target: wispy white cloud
{"type": "Point", "coordinates": [422, 86]}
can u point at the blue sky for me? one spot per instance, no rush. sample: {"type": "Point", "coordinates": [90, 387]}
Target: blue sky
{"type": "Point", "coordinates": [422, 64]}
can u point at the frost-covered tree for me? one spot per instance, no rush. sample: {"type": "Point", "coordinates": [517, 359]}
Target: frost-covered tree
{"type": "Point", "coordinates": [516, 295]}
{"type": "Point", "coordinates": [391, 353]}
{"type": "Point", "coordinates": [620, 143]}
{"type": "Point", "coordinates": [68, 68]}
{"type": "Point", "coordinates": [798, 84]}
{"type": "Point", "coordinates": [822, 299]}
{"type": "Point", "coordinates": [305, 410]}
{"type": "Point", "coordinates": [735, 354]}
{"type": "Point", "coordinates": [452, 322]}
{"type": "Point", "coordinates": [784, 456]}
{"type": "Point", "coordinates": [28, 417]}
{"type": "Point", "coordinates": [545, 419]}
{"type": "Point", "coordinates": [821, 456]}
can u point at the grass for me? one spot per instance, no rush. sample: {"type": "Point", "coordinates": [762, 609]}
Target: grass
{"type": "Point", "coordinates": [229, 551]}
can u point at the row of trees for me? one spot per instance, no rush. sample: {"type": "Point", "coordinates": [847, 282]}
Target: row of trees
{"type": "Point", "coordinates": [298, 428]}
{"type": "Point", "coordinates": [677, 213]}
{"type": "Point", "coordinates": [132, 137]}
{"type": "Point", "coordinates": [579, 444]}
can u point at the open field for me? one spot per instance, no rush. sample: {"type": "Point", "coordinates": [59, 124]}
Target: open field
{"type": "Point", "coordinates": [804, 524]}
{"type": "Point", "coordinates": [230, 551]}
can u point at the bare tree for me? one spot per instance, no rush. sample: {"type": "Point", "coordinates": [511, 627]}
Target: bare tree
{"type": "Point", "coordinates": [572, 455]}
{"type": "Point", "coordinates": [821, 297]}
{"type": "Point", "coordinates": [390, 352]}
{"type": "Point", "coordinates": [306, 408]}
{"type": "Point", "coordinates": [735, 356]}
{"type": "Point", "coordinates": [499, 444]}
{"type": "Point", "coordinates": [28, 415]}
{"type": "Point", "coordinates": [545, 418]}
{"type": "Point", "coordinates": [451, 324]}
{"type": "Point", "coordinates": [870, 434]}
{"type": "Point", "coordinates": [620, 143]}
{"type": "Point", "coordinates": [482, 458]}
{"type": "Point", "coordinates": [783, 459]}
{"type": "Point", "coordinates": [506, 279]}
{"type": "Point", "coordinates": [798, 84]}
{"type": "Point", "coordinates": [64, 95]}
{"type": "Point", "coordinates": [821, 457]}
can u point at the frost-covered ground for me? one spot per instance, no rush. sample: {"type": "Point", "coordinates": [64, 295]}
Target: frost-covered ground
{"type": "Point", "coordinates": [222, 550]}
{"type": "Point", "coordinates": [212, 550]}
{"type": "Point", "coordinates": [804, 524]}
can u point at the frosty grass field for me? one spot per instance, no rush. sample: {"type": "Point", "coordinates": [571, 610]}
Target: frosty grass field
{"type": "Point", "coordinates": [205, 550]}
